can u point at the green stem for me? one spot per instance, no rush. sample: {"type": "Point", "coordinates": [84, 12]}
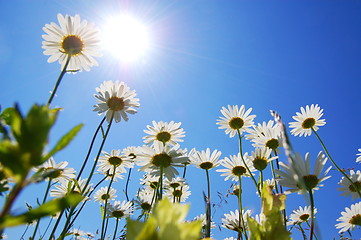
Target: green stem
{"type": "Point", "coordinates": [116, 228]}
{"type": "Point", "coordinates": [160, 183]}
{"type": "Point", "coordinates": [59, 80]}
{"type": "Point", "coordinates": [312, 214]}
{"type": "Point", "coordinates": [208, 209]}
{"type": "Point", "coordinates": [240, 217]}
{"type": "Point", "coordinates": [334, 163]}
{"type": "Point", "coordinates": [44, 199]}
{"type": "Point", "coordinates": [244, 162]}
{"type": "Point", "coordinates": [314, 234]}
{"type": "Point", "coordinates": [104, 231]}
{"type": "Point", "coordinates": [127, 183]}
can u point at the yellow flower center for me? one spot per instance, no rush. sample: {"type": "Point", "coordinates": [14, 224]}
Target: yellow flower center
{"type": "Point", "coordinates": [311, 181]}
{"type": "Point", "coordinates": [356, 220]}
{"type": "Point", "coordinates": [260, 163]}
{"type": "Point", "coordinates": [72, 45]}
{"type": "Point", "coordinates": [206, 165]}
{"type": "Point", "coordinates": [115, 161]}
{"type": "Point", "coordinates": [308, 123]}
{"type": "Point", "coordinates": [273, 143]}
{"type": "Point", "coordinates": [163, 137]}
{"type": "Point", "coordinates": [355, 186]}
{"type": "Point", "coordinates": [115, 103]}
{"type": "Point", "coordinates": [236, 123]}
{"type": "Point", "coordinates": [118, 214]}
{"type": "Point", "coordinates": [239, 170]}
{"type": "Point", "coordinates": [177, 193]}
{"type": "Point", "coordinates": [304, 217]}
{"type": "Point", "coordinates": [162, 160]}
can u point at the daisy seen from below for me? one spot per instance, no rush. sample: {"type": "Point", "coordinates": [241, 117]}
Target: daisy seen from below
{"type": "Point", "coordinates": [161, 157]}
{"type": "Point", "coordinates": [74, 43]}
{"type": "Point", "coordinates": [65, 187]}
{"type": "Point", "coordinates": [300, 215]}
{"type": "Point", "coordinates": [347, 188]}
{"type": "Point", "coordinates": [235, 168]}
{"type": "Point", "coordinates": [167, 133]}
{"type": "Point", "coordinates": [231, 220]}
{"type": "Point", "coordinates": [179, 194]}
{"type": "Point", "coordinates": [205, 159]}
{"type": "Point", "coordinates": [235, 119]}
{"type": "Point", "coordinates": [105, 194]}
{"type": "Point", "coordinates": [307, 120]}
{"type": "Point", "coordinates": [350, 218]}
{"type": "Point", "coordinates": [297, 174]}
{"type": "Point", "coordinates": [116, 100]}
{"type": "Point", "coordinates": [131, 153]}
{"type": "Point", "coordinates": [150, 181]}
{"type": "Point", "coordinates": [266, 135]}
{"type": "Point", "coordinates": [144, 199]}
{"type": "Point", "coordinates": [119, 209]}
{"type": "Point", "coordinates": [202, 218]}
{"type": "Point", "coordinates": [114, 161]}
{"type": "Point", "coordinates": [358, 158]}
{"type": "Point", "coordinates": [175, 183]}
{"type": "Point", "coordinates": [56, 171]}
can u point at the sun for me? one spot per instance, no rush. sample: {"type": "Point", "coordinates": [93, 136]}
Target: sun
{"type": "Point", "coordinates": [126, 38]}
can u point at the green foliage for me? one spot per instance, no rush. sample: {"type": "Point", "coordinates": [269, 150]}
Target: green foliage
{"type": "Point", "coordinates": [167, 222]}
{"type": "Point", "coordinates": [50, 208]}
{"type": "Point", "coordinates": [272, 225]}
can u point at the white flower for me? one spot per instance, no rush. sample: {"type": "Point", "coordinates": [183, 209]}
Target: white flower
{"type": "Point", "coordinates": [174, 182]}
{"type": "Point", "coordinates": [167, 133]}
{"type": "Point", "coordinates": [231, 220]}
{"type": "Point", "coordinates": [307, 120]}
{"type": "Point", "coordinates": [103, 194]}
{"type": "Point", "coordinates": [347, 188]}
{"type": "Point", "coordinates": [161, 156]}
{"type": "Point", "coordinates": [120, 209]}
{"type": "Point", "coordinates": [145, 199]}
{"type": "Point", "coordinates": [150, 181]}
{"type": "Point", "coordinates": [350, 218]}
{"type": "Point", "coordinates": [114, 160]}
{"type": "Point", "coordinates": [266, 135]}
{"type": "Point", "coordinates": [116, 100]}
{"type": "Point", "coordinates": [235, 168]}
{"type": "Point", "coordinates": [204, 159]}
{"type": "Point", "coordinates": [300, 215]}
{"type": "Point", "coordinates": [235, 119]}
{"type": "Point", "coordinates": [358, 159]}
{"type": "Point", "coordinates": [261, 157]}
{"type": "Point", "coordinates": [77, 233]}
{"type": "Point", "coordinates": [73, 38]}
{"type": "Point", "coordinates": [131, 152]}
{"type": "Point", "coordinates": [203, 219]}
{"type": "Point", "coordinates": [66, 187]}
{"type": "Point", "coordinates": [56, 172]}
{"type": "Point", "coordinates": [179, 194]}
{"type": "Point", "coordinates": [297, 174]}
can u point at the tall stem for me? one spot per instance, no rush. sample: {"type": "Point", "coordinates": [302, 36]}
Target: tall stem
{"type": "Point", "coordinates": [59, 79]}
{"type": "Point", "coordinates": [127, 183]}
{"type": "Point", "coordinates": [334, 163]}
{"type": "Point", "coordinates": [160, 183]}
{"type": "Point", "coordinates": [116, 228]}
{"type": "Point", "coordinates": [208, 208]}
{"type": "Point", "coordinates": [104, 231]}
{"type": "Point", "coordinates": [312, 214]}
{"type": "Point", "coordinates": [240, 206]}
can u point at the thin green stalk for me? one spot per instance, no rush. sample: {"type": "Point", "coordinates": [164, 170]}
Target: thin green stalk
{"type": "Point", "coordinates": [160, 183]}
{"type": "Point", "coordinates": [56, 225]}
{"type": "Point", "coordinates": [312, 214]}
{"type": "Point", "coordinates": [103, 232]}
{"type": "Point", "coordinates": [44, 199]}
{"type": "Point", "coordinates": [334, 163]}
{"type": "Point", "coordinates": [116, 228]}
{"type": "Point", "coordinates": [208, 210]}
{"type": "Point", "coordinates": [244, 162]}
{"type": "Point", "coordinates": [59, 79]}
{"type": "Point", "coordinates": [314, 234]}
{"type": "Point", "coordinates": [22, 236]}
{"type": "Point", "coordinates": [276, 186]}
{"type": "Point", "coordinates": [127, 183]}
{"type": "Point", "coordinates": [240, 206]}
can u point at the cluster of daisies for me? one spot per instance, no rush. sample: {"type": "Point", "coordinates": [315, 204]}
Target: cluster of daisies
{"type": "Point", "coordinates": [74, 43]}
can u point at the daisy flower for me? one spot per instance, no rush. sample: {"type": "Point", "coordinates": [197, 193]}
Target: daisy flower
{"type": "Point", "coordinates": [266, 135]}
{"type": "Point", "coordinates": [77, 233]}
{"type": "Point", "coordinates": [350, 218]}
{"type": "Point", "coordinates": [235, 119]}
{"type": "Point", "coordinates": [73, 38]}
{"type": "Point", "coordinates": [347, 188]}
{"type": "Point", "coordinates": [231, 220]}
{"type": "Point", "coordinates": [56, 172]}
{"type": "Point", "coordinates": [297, 174]}
{"type": "Point", "coordinates": [179, 194]}
{"type": "Point", "coordinates": [145, 199]}
{"type": "Point", "coordinates": [300, 215]}
{"type": "Point", "coordinates": [235, 168]}
{"type": "Point", "coordinates": [358, 159]}
{"type": "Point", "coordinates": [261, 157]}
{"type": "Point", "coordinates": [150, 181]}
{"type": "Point", "coordinates": [114, 160]}
{"type": "Point", "coordinates": [204, 159]}
{"type": "Point", "coordinates": [103, 195]}
{"type": "Point", "coordinates": [116, 100]}
{"type": "Point", "coordinates": [131, 153]}
{"type": "Point", "coordinates": [66, 187]}
{"type": "Point", "coordinates": [203, 219]}
{"type": "Point", "coordinates": [159, 156]}
{"type": "Point", "coordinates": [167, 133]}
{"type": "Point", "coordinates": [174, 183]}
{"type": "Point", "coordinates": [119, 209]}
{"type": "Point", "coordinates": [307, 120]}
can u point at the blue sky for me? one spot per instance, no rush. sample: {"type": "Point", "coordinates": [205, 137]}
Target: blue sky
{"type": "Point", "coordinates": [277, 55]}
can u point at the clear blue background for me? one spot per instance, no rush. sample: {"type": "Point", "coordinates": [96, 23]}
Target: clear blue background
{"type": "Point", "coordinates": [206, 54]}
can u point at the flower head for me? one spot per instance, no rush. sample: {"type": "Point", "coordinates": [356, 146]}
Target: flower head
{"type": "Point", "coordinates": [73, 38]}
{"type": "Point", "coordinates": [120, 209]}
{"type": "Point", "coordinates": [179, 194]}
{"type": "Point", "coordinates": [56, 172]}
{"type": "Point", "coordinates": [358, 159]}
{"type": "Point", "coordinates": [235, 119]}
{"type": "Point", "coordinates": [158, 156]}
{"type": "Point", "coordinates": [203, 219]}
{"type": "Point", "coordinates": [145, 199]}
{"type": "Point", "coordinates": [266, 135]}
{"type": "Point", "coordinates": [347, 188]}
{"type": "Point", "coordinates": [261, 157]}
{"type": "Point", "coordinates": [235, 168]}
{"type": "Point", "coordinates": [231, 220]}
{"type": "Point", "coordinates": [300, 215]}
{"type": "Point", "coordinates": [205, 159]}
{"type": "Point", "coordinates": [105, 194]}
{"type": "Point", "coordinates": [116, 100]}
{"type": "Point", "coordinates": [297, 174]}
{"type": "Point", "coordinates": [308, 119]}
{"type": "Point", "coordinates": [114, 161]}
{"type": "Point", "coordinates": [65, 187]}
{"type": "Point", "coordinates": [350, 218]}
{"type": "Point", "coordinates": [167, 133]}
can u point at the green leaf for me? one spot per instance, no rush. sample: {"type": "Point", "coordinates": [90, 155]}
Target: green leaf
{"type": "Point", "coordinates": [15, 163]}
{"type": "Point", "coordinates": [47, 209]}
{"type": "Point", "coordinates": [137, 230]}
{"type": "Point", "coordinates": [6, 115]}
{"type": "Point", "coordinates": [64, 141]}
